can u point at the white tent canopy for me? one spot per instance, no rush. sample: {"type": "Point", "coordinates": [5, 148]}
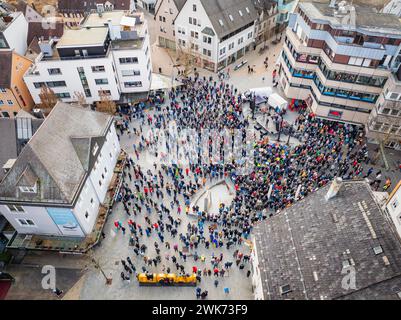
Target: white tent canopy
{"type": "Point", "coordinates": [161, 82]}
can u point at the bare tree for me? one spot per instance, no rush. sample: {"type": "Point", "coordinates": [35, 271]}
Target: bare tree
{"type": "Point", "coordinates": [106, 104]}
{"type": "Point", "coordinates": [48, 99]}
{"type": "Point", "coordinates": [80, 98]}
{"type": "Point", "coordinates": [187, 58]}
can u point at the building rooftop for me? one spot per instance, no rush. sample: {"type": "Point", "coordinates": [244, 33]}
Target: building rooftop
{"type": "Point", "coordinates": [83, 37]}
{"type": "Point", "coordinates": [366, 17]}
{"type": "Point", "coordinates": [219, 12]}
{"type": "Point", "coordinates": [10, 145]}
{"type": "Point", "coordinates": [86, 6]}
{"type": "Point", "coordinates": [306, 247]}
{"type": "Point", "coordinates": [127, 44]}
{"type": "Point", "coordinates": [59, 155]}
{"type": "Point", "coordinates": [94, 20]}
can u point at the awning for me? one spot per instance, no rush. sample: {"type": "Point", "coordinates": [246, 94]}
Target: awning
{"type": "Point", "coordinates": [160, 82]}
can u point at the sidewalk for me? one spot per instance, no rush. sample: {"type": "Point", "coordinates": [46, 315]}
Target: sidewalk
{"type": "Point", "coordinates": [166, 58]}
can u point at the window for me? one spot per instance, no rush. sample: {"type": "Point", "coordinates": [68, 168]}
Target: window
{"type": "Point", "coordinates": [128, 60]}
{"type": "Point", "coordinates": [195, 34]}
{"type": "Point", "coordinates": [15, 208]}
{"type": "Point", "coordinates": [377, 250]}
{"type": "Point", "coordinates": [54, 71]}
{"type": "Point", "coordinates": [207, 52]}
{"type": "Point", "coordinates": [285, 289]}
{"type": "Point", "coordinates": [240, 40]}
{"type": "Point", "coordinates": [86, 215]}
{"type": "Point", "coordinates": [222, 51]}
{"type": "Point", "coordinates": [133, 84]}
{"type": "Point", "coordinates": [63, 95]}
{"type": "Point", "coordinates": [231, 46]}
{"type": "Point", "coordinates": [207, 40]}
{"type": "Point", "coordinates": [100, 183]}
{"type": "Point", "coordinates": [194, 7]}
{"type": "Point", "coordinates": [356, 61]}
{"type": "Point", "coordinates": [104, 92]}
{"type": "Point", "coordinates": [26, 222]}
{"type": "Point", "coordinates": [101, 81]}
{"type": "Point", "coordinates": [95, 149]}
{"type": "Point", "coordinates": [10, 102]}
{"type": "Point", "coordinates": [250, 35]}
{"type": "Point", "coordinates": [394, 204]}
{"type": "Point", "coordinates": [190, 20]}
{"type": "Point", "coordinates": [28, 189]}
{"type": "Point", "coordinates": [127, 73]}
{"type": "Point", "coordinates": [98, 69]}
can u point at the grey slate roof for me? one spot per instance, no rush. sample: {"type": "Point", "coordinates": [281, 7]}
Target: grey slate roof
{"type": "Point", "coordinates": [221, 9]}
{"type": "Point", "coordinates": [54, 159]}
{"type": "Point", "coordinates": [10, 146]}
{"type": "Point", "coordinates": [366, 17]}
{"type": "Point", "coordinates": [306, 245]}
{"type": "Point", "coordinates": [179, 4]}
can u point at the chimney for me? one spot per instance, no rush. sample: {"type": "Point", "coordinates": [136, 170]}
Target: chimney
{"type": "Point", "coordinates": [334, 188]}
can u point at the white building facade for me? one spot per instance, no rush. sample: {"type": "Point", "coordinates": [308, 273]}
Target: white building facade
{"type": "Point", "coordinates": [14, 32]}
{"type": "Point", "coordinates": [117, 62]}
{"type": "Point", "coordinates": [31, 209]}
{"type": "Point", "coordinates": [338, 70]}
{"type": "Point", "coordinates": [216, 35]}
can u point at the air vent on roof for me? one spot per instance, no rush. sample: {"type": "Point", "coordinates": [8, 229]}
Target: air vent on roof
{"type": "Point", "coordinates": [285, 289]}
{"type": "Point", "coordinates": [386, 261]}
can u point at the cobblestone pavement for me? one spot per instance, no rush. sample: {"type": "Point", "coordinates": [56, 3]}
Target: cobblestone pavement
{"type": "Point", "coordinates": [28, 282]}
{"type": "Point", "coordinates": [115, 247]}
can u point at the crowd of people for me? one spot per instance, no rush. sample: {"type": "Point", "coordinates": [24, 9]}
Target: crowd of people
{"type": "Point", "coordinates": [157, 199]}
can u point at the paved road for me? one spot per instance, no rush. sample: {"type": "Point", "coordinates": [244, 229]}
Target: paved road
{"type": "Point", "coordinates": [28, 282]}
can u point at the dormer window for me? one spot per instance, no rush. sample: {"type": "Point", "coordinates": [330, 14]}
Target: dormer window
{"type": "Point", "coordinates": [26, 189]}
{"type": "Point", "coordinates": [95, 148]}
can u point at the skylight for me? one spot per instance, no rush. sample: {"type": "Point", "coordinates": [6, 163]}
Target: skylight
{"type": "Point", "coordinates": [221, 22]}
{"type": "Point", "coordinates": [240, 12]}
{"type": "Point", "coordinates": [231, 17]}
{"type": "Point", "coordinates": [247, 9]}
